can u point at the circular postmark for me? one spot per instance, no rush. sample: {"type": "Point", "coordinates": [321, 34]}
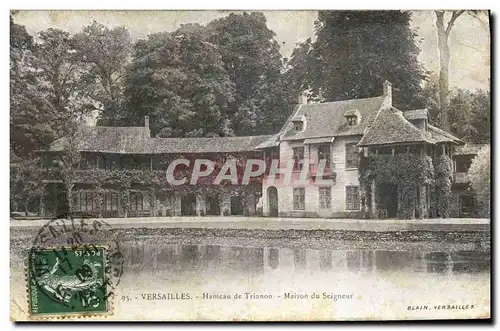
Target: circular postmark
{"type": "Point", "coordinates": [74, 265]}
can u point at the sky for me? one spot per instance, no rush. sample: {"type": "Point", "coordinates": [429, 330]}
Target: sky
{"type": "Point", "coordinates": [469, 39]}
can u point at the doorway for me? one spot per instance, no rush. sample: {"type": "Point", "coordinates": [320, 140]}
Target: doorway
{"type": "Point", "coordinates": [188, 205]}
{"type": "Point", "coordinates": [272, 198]}
{"type": "Point", "coordinates": [236, 205]}
{"type": "Point", "coordinates": [388, 199]}
{"type": "Point", "coordinates": [213, 205]}
{"type": "Point", "coordinates": [466, 206]}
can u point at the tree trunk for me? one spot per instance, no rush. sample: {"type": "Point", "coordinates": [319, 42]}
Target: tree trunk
{"type": "Point", "coordinates": [42, 204]}
{"type": "Point", "coordinates": [444, 65]}
{"type": "Point", "coordinates": [443, 33]}
{"type": "Point", "coordinates": [69, 188]}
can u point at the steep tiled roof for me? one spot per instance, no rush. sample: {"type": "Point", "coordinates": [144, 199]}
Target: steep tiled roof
{"type": "Point", "coordinates": [207, 145]}
{"type": "Point", "coordinates": [439, 136]}
{"type": "Point", "coordinates": [327, 119]}
{"type": "Point", "coordinates": [389, 127]}
{"type": "Point", "coordinates": [416, 114]}
{"type": "Point", "coordinates": [392, 126]}
{"type": "Point", "coordinates": [324, 140]}
{"type": "Point", "coordinates": [137, 140]}
{"type": "Point", "coordinates": [469, 149]}
{"type": "Point", "coordinates": [272, 141]}
{"type": "Point", "coordinates": [120, 140]}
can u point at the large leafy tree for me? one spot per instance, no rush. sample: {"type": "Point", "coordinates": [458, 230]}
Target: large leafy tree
{"type": "Point", "coordinates": [480, 178]}
{"type": "Point", "coordinates": [21, 78]}
{"type": "Point", "coordinates": [47, 96]}
{"type": "Point", "coordinates": [355, 51]}
{"type": "Point", "coordinates": [470, 115]}
{"type": "Point", "coordinates": [105, 52]}
{"type": "Point", "coordinates": [61, 87]}
{"type": "Point", "coordinates": [221, 79]}
{"type": "Point", "coordinates": [179, 80]}
{"type": "Point", "coordinates": [251, 57]}
{"type": "Point", "coordinates": [469, 112]}
{"type": "Point", "coordinates": [444, 29]}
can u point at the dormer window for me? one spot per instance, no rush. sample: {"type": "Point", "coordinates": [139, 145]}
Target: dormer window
{"type": "Point", "coordinates": [352, 117]}
{"type": "Point", "coordinates": [352, 120]}
{"type": "Point", "coordinates": [298, 123]}
{"type": "Point", "coordinates": [418, 117]}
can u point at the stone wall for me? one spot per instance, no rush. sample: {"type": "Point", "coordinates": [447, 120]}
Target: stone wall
{"type": "Point", "coordinates": [344, 177]}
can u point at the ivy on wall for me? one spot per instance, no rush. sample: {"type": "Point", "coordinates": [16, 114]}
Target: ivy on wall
{"type": "Point", "coordinates": [443, 180]}
{"type": "Point", "coordinates": [406, 171]}
{"type": "Point", "coordinates": [122, 180]}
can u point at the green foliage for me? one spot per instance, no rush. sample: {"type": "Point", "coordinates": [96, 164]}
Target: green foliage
{"type": "Point", "coordinates": [469, 115]}
{"type": "Point", "coordinates": [179, 80]}
{"type": "Point", "coordinates": [47, 89]}
{"type": "Point", "coordinates": [469, 112]}
{"type": "Point", "coordinates": [105, 52]}
{"type": "Point", "coordinates": [220, 80]}
{"type": "Point", "coordinates": [354, 52]}
{"type": "Point", "coordinates": [250, 53]}
{"type": "Point", "coordinates": [21, 42]}
{"type": "Point", "coordinates": [480, 178]}
{"type": "Point", "coordinates": [407, 171]}
{"type": "Point", "coordinates": [444, 178]}
{"type": "Point", "coordinates": [26, 187]}
{"type": "Point", "coordinates": [28, 121]}
{"type": "Point", "coordinates": [407, 168]}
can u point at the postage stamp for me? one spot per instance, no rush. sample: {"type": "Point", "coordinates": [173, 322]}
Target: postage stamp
{"type": "Point", "coordinates": [72, 269]}
{"type": "Point", "coordinates": [69, 280]}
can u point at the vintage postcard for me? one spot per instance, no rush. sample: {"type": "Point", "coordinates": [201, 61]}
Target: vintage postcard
{"type": "Point", "coordinates": [250, 165]}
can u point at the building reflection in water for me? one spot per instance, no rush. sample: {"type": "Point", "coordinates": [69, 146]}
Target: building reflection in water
{"type": "Point", "coordinates": [257, 260]}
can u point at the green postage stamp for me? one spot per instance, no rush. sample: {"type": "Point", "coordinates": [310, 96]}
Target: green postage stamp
{"type": "Point", "coordinates": [68, 281]}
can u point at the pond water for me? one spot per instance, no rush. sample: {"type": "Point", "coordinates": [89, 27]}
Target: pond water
{"type": "Point", "coordinates": [169, 277]}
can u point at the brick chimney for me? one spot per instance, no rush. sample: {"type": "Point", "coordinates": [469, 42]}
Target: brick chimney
{"type": "Point", "coordinates": [387, 94]}
{"type": "Point", "coordinates": [388, 91]}
{"type": "Point", "coordinates": [302, 99]}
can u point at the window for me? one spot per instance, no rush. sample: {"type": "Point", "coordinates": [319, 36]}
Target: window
{"type": "Point", "coordinates": [90, 161]}
{"type": "Point", "coordinates": [324, 154]}
{"type": "Point", "coordinates": [299, 198]}
{"type": "Point", "coordinates": [111, 201]}
{"type": "Point", "coordinates": [352, 120]}
{"type": "Point", "coordinates": [48, 161]}
{"type": "Point", "coordinates": [463, 163]}
{"type": "Point", "coordinates": [298, 126]}
{"type": "Point", "coordinates": [111, 161]}
{"type": "Point", "coordinates": [466, 205]}
{"type": "Point", "coordinates": [275, 155]}
{"type": "Point", "coordinates": [136, 201]}
{"type": "Point", "coordinates": [351, 156]}
{"type": "Point", "coordinates": [298, 158]}
{"type": "Point", "coordinates": [86, 202]}
{"type": "Point", "coordinates": [352, 197]}
{"type": "Point", "coordinates": [325, 197]}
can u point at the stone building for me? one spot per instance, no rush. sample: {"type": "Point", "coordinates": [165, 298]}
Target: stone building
{"type": "Point", "coordinates": [121, 171]}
